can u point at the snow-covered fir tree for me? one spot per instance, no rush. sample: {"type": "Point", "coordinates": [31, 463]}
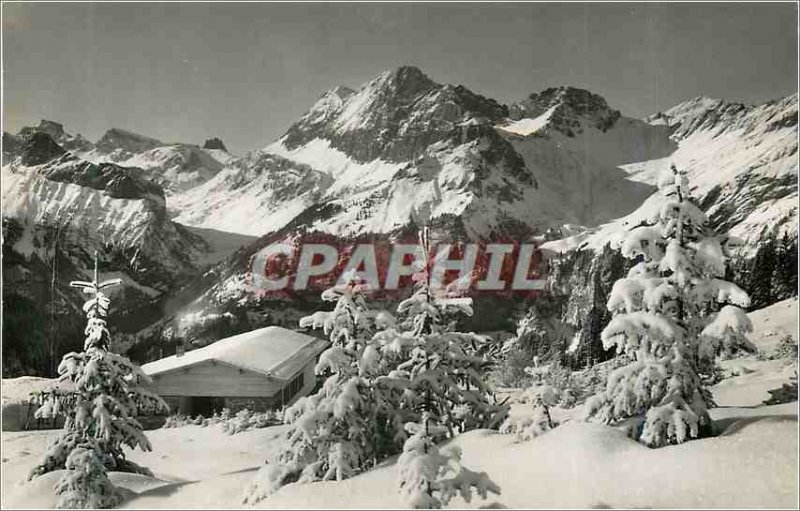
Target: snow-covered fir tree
{"type": "Point", "coordinates": [531, 340]}
{"type": "Point", "coordinates": [430, 477]}
{"type": "Point", "coordinates": [663, 321]}
{"type": "Point", "coordinates": [381, 375]}
{"type": "Point", "coordinates": [100, 415]}
{"type": "Point", "coordinates": [86, 485]}
{"type": "Point", "coordinates": [541, 396]}
{"type": "Point", "coordinates": [444, 369]}
{"type": "Point", "coordinates": [339, 431]}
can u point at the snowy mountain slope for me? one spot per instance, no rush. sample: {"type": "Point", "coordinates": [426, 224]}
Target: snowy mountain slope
{"type": "Point", "coordinates": [175, 166]}
{"type": "Point", "coordinates": [253, 195]}
{"type": "Point", "coordinates": [100, 204]}
{"type": "Point", "coordinates": [582, 173]}
{"type": "Point", "coordinates": [94, 219]}
{"type": "Point", "coordinates": [178, 167]}
{"type": "Point", "coordinates": [403, 149]}
{"type": "Point", "coordinates": [58, 211]}
{"type": "Point", "coordinates": [742, 164]}
{"type": "Point", "coordinates": [403, 146]}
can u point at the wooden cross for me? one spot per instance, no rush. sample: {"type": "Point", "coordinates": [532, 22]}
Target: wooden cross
{"type": "Point", "coordinates": [94, 286]}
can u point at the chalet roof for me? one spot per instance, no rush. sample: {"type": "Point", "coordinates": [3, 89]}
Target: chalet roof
{"type": "Point", "coordinates": [272, 351]}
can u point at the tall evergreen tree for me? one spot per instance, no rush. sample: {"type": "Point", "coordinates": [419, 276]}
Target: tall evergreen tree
{"type": "Point", "coordinates": [444, 377]}
{"type": "Point", "coordinates": [605, 269]}
{"type": "Point", "coordinates": [444, 369]}
{"type": "Point", "coordinates": [590, 350]}
{"type": "Point", "coordinates": [335, 432]}
{"type": "Point", "coordinates": [100, 415]}
{"type": "Point", "coordinates": [532, 340]}
{"type": "Point", "coordinates": [761, 275]}
{"type": "Point", "coordinates": [379, 384]}
{"type": "Point", "coordinates": [662, 323]}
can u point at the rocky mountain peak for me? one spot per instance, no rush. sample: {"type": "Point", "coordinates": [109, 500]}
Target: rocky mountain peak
{"type": "Point", "coordinates": [40, 148]}
{"type": "Point", "coordinates": [215, 143]}
{"type": "Point", "coordinates": [129, 142]}
{"type": "Point", "coordinates": [394, 117]}
{"type": "Point", "coordinates": [405, 81]}
{"type": "Point", "coordinates": [704, 113]}
{"type": "Point", "coordinates": [52, 128]}
{"type": "Point", "coordinates": [569, 108]}
{"type": "Point", "coordinates": [687, 109]}
{"type": "Point", "coordinates": [56, 131]}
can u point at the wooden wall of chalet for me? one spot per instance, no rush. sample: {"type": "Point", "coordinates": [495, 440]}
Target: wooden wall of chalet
{"type": "Point", "coordinates": [212, 378]}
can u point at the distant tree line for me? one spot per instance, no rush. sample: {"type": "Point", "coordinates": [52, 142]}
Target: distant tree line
{"type": "Point", "coordinates": [771, 275]}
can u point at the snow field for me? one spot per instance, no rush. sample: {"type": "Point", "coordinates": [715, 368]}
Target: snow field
{"type": "Point", "coordinates": [752, 462]}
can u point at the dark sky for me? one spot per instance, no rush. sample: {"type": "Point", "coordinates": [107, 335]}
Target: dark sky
{"type": "Point", "coordinates": [244, 72]}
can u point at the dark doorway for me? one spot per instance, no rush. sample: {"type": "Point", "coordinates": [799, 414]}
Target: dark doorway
{"type": "Point", "coordinates": [206, 406]}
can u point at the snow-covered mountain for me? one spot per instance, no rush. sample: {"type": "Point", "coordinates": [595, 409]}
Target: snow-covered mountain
{"type": "Point", "coordinates": [742, 164]}
{"type": "Point", "coordinates": [380, 159]}
{"type": "Point", "coordinates": [374, 160]}
{"type": "Point", "coordinates": [174, 166]}
{"type": "Point", "coordinates": [403, 146]}
{"type": "Point", "coordinates": [59, 209]}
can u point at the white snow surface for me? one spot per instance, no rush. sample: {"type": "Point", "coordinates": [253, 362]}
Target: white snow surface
{"type": "Point", "coordinates": [527, 127]}
{"type": "Point", "coordinates": [346, 173]}
{"type": "Point", "coordinates": [751, 463]}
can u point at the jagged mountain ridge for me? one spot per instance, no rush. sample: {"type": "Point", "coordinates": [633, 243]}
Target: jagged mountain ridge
{"type": "Point", "coordinates": [402, 149]}
{"type": "Point", "coordinates": [403, 146]}
{"type": "Point", "coordinates": [582, 155]}
{"type": "Point", "coordinates": [174, 166]}
{"type": "Point", "coordinates": [742, 164]}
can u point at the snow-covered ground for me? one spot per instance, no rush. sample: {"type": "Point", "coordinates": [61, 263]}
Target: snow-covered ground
{"type": "Point", "coordinates": [752, 462]}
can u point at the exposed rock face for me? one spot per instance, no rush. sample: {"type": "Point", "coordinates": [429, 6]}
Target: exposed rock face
{"type": "Point", "coordinates": [72, 143]}
{"type": "Point", "coordinates": [115, 181]}
{"type": "Point", "coordinates": [394, 117]}
{"type": "Point", "coordinates": [570, 107]}
{"type": "Point", "coordinates": [122, 144]}
{"type": "Point", "coordinates": [39, 148]}
{"type": "Point", "coordinates": [215, 143]}
{"type": "Point", "coordinates": [52, 128]}
{"type": "Point", "coordinates": [12, 145]}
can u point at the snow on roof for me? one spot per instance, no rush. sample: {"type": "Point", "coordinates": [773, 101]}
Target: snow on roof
{"type": "Point", "coordinates": [272, 351]}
